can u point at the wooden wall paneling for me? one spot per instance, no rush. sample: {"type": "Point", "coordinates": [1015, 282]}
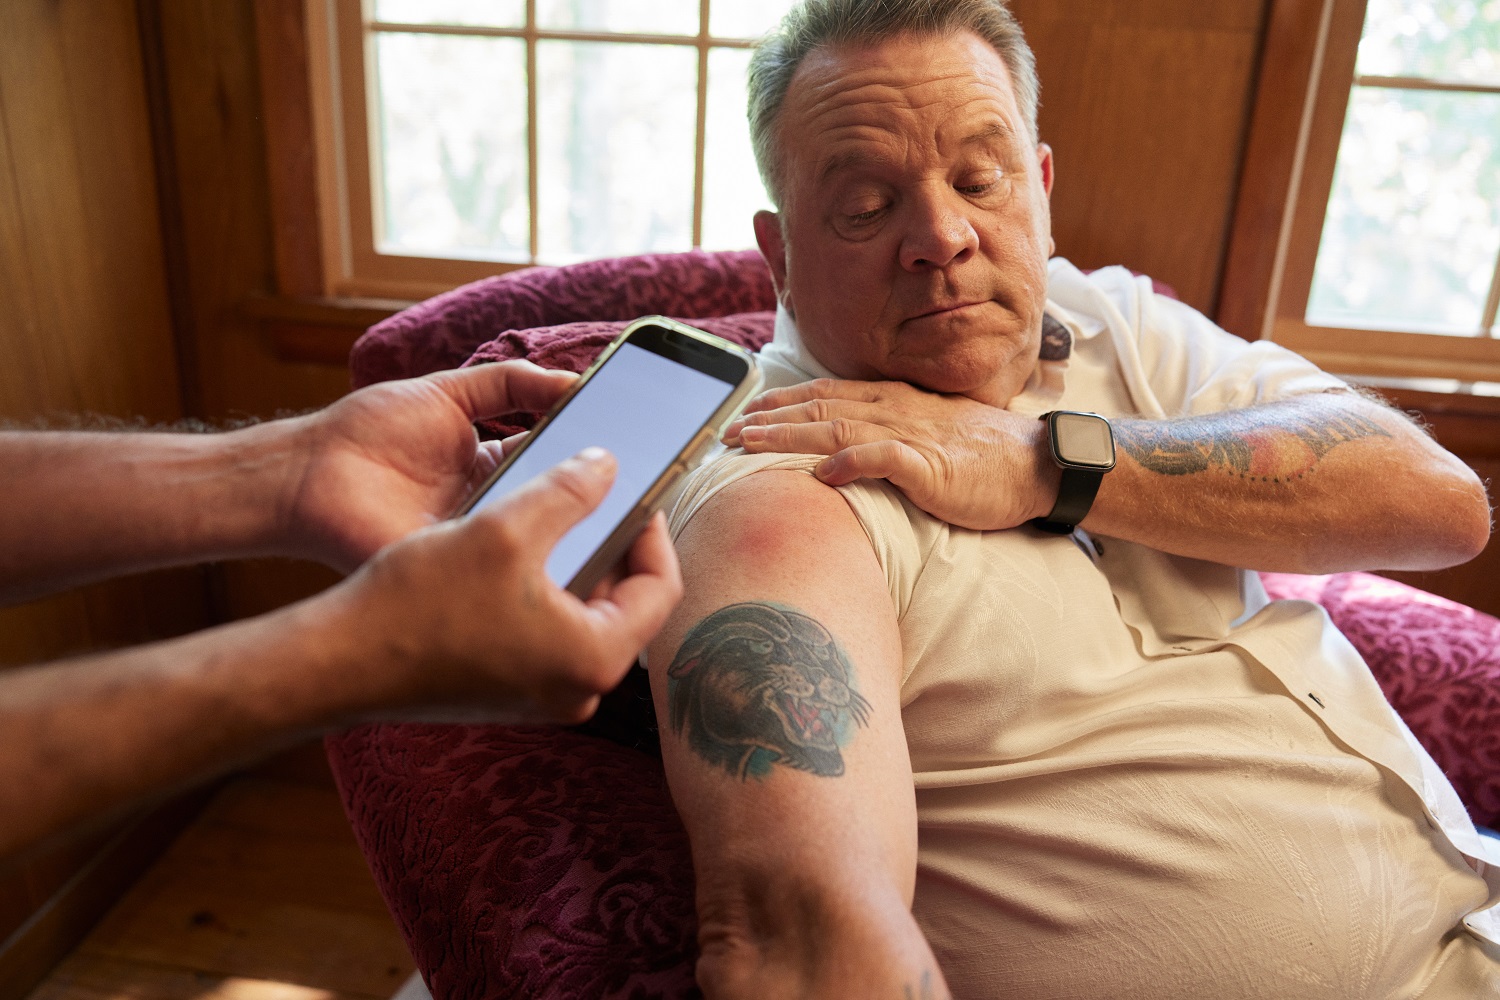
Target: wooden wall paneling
{"type": "Point", "coordinates": [86, 311]}
{"type": "Point", "coordinates": [1146, 107]}
{"type": "Point", "coordinates": [85, 329]}
{"type": "Point", "coordinates": [222, 168]}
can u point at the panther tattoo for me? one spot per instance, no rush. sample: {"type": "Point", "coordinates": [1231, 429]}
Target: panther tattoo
{"type": "Point", "coordinates": [755, 685]}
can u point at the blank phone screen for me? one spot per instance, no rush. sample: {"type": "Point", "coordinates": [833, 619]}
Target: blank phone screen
{"type": "Point", "coordinates": [643, 409]}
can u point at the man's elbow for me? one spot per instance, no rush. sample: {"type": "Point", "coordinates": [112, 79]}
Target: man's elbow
{"type": "Point", "coordinates": [1476, 522]}
{"type": "Point", "coordinates": [1455, 523]}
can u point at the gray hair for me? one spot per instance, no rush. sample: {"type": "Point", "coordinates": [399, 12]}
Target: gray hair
{"type": "Point", "coordinates": [814, 23]}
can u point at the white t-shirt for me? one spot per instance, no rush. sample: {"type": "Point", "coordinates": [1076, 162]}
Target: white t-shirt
{"type": "Point", "coordinates": [1135, 775]}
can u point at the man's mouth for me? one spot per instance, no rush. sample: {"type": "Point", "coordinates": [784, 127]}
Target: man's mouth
{"type": "Point", "coordinates": [945, 310]}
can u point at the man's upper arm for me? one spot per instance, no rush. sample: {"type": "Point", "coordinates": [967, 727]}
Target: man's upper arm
{"type": "Point", "coordinates": [777, 684]}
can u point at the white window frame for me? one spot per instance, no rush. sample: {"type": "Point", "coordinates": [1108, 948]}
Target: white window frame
{"type": "Point", "coordinates": [341, 70]}
{"type": "Point", "coordinates": [1379, 353]}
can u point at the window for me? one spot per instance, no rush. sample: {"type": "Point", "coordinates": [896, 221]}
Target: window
{"type": "Point", "coordinates": [1392, 262]}
{"type": "Point", "coordinates": [460, 138]}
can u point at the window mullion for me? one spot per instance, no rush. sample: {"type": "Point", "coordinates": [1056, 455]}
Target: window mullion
{"type": "Point", "coordinates": [533, 157]}
{"type": "Point", "coordinates": [701, 129]}
{"type": "Point", "coordinates": [1491, 303]}
{"type": "Point", "coordinates": [1425, 83]}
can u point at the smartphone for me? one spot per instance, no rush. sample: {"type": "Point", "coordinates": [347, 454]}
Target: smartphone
{"type": "Point", "coordinates": [657, 398]}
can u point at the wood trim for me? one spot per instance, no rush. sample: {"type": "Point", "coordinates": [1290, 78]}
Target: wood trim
{"type": "Point", "coordinates": [1426, 83]}
{"type": "Point", "coordinates": [1392, 353]}
{"type": "Point", "coordinates": [1324, 135]}
{"type": "Point", "coordinates": [320, 311]}
{"type": "Point", "coordinates": [326, 101]}
{"type": "Point", "coordinates": [352, 73]}
{"type": "Point", "coordinates": [316, 330]}
{"type": "Point", "coordinates": [281, 32]}
{"type": "Point", "coordinates": [1290, 56]}
{"type": "Point", "coordinates": [338, 71]}
{"type": "Point", "coordinates": [169, 207]}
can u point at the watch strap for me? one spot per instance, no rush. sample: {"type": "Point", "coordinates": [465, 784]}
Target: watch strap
{"type": "Point", "coordinates": [1074, 498]}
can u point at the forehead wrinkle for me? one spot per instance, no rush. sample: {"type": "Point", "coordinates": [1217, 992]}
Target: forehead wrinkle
{"type": "Point", "coordinates": [856, 145]}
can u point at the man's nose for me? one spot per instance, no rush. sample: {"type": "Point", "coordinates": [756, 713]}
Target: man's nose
{"type": "Point", "coordinates": [938, 232]}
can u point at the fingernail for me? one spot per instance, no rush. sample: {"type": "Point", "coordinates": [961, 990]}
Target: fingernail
{"type": "Point", "coordinates": [593, 455]}
{"type": "Point", "coordinates": [753, 433]}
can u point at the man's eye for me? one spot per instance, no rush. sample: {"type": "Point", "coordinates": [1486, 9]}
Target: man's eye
{"type": "Point", "coordinates": [870, 215]}
{"type": "Point", "coordinates": [980, 184]}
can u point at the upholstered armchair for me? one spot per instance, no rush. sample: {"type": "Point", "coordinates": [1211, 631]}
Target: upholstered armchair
{"type": "Point", "coordinates": [536, 862]}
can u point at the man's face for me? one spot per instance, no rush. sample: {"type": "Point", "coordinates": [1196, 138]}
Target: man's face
{"type": "Point", "coordinates": [916, 230]}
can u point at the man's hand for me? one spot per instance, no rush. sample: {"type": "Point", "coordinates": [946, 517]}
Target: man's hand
{"type": "Point", "coordinates": [398, 456]}
{"type": "Point", "coordinates": [964, 462]}
{"type": "Point", "coordinates": [466, 622]}
{"type": "Point", "coordinates": [456, 621]}
{"type": "Point", "coordinates": [1317, 483]}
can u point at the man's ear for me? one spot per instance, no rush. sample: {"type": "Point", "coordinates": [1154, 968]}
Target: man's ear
{"type": "Point", "coordinates": [772, 243]}
{"type": "Point", "coordinates": [1046, 166]}
{"type": "Point", "coordinates": [1044, 162]}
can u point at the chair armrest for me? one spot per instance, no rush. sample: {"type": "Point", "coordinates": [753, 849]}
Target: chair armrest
{"type": "Point", "coordinates": [524, 861]}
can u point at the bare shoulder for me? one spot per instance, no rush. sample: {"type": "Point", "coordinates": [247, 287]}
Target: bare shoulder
{"type": "Point", "coordinates": [774, 523]}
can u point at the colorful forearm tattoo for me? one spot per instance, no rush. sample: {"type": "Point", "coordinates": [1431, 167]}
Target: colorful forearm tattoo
{"type": "Point", "coordinates": [1273, 450]}
{"type": "Point", "coordinates": [756, 685]}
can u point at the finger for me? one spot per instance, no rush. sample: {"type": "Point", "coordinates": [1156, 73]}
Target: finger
{"type": "Point", "coordinates": [636, 608]}
{"type": "Point", "coordinates": [487, 458]}
{"type": "Point", "coordinates": [810, 412]}
{"type": "Point", "coordinates": [811, 439]}
{"type": "Point", "coordinates": [544, 509]}
{"type": "Point", "coordinates": [491, 390]}
{"type": "Point", "coordinates": [889, 459]}
{"type": "Point", "coordinates": [511, 443]}
{"type": "Point", "coordinates": [819, 388]}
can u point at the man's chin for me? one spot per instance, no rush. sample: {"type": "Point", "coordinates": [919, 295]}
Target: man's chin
{"type": "Point", "coordinates": [978, 370]}
{"type": "Point", "coordinates": [952, 377]}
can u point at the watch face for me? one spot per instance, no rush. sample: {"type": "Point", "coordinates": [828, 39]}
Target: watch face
{"type": "Point", "coordinates": [1083, 439]}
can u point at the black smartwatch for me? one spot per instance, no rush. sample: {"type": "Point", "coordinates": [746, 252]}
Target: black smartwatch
{"type": "Point", "coordinates": [1084, 446]}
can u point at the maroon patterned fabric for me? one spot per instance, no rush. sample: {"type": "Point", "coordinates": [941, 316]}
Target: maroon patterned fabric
{"type": "Point", "coordinates": [573, 346]}
{"type": "Point", "coordinates": [524, 861]}
{"type": "Point", "coordinates": [444, 331]}
{"type": "Point", "coordinates": [1438, 663]}
{"type": "Point", "coordinates": [543, 863]}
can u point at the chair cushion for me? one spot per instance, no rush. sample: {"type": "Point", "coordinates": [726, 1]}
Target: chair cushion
{"type": "Point", "coordinates": [524, 861]}
{"type": "Point", "coordinates": [1438, 663]}
{"type": "Point", "coordinates": [444, 331]}
{"type": "Point", "coordinates": [573, 346]}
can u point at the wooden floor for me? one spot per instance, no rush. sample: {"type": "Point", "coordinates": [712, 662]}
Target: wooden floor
{"type": "Point", "coordinates": [264, 897]}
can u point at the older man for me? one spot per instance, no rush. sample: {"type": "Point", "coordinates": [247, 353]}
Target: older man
{"type": "Point", "coordinates": [993, 713]}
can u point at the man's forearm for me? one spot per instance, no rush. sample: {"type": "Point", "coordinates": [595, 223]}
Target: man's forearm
{"type": "Point", "coordinates": [1321, 483]}
{"type": "Point", "coordinates": [87, 737]}
{"type": "Point", "coordinates": [83, 506]}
